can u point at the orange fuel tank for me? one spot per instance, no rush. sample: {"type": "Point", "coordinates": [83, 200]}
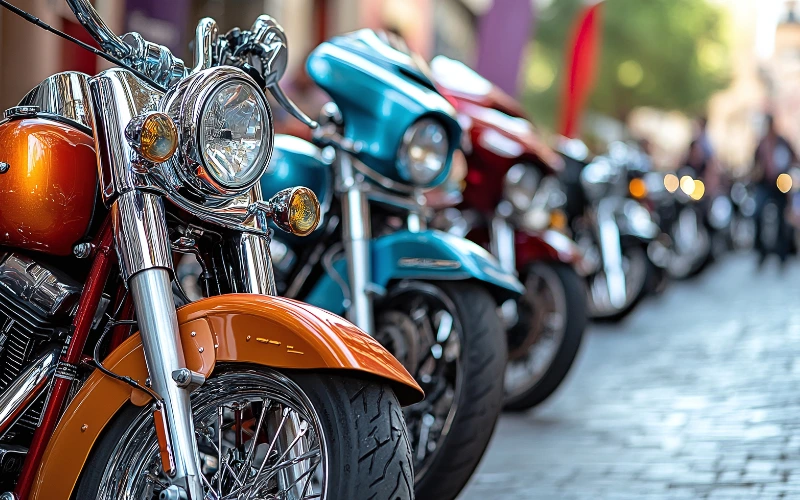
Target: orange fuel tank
{"type": "Point", "coordinates": [49, 186]}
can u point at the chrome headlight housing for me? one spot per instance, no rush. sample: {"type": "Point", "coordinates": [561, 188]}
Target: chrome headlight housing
{"type": "Point", "coordinates": [423, 154]}
{"type": "Point", "coordinates": [520, 185]}
{"type": "Point", "coordinates": [225, 128]}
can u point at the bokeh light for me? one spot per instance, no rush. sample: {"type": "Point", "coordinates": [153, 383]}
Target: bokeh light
{"type": "Point", "coordinates": [784, 183]}
{"type": "Point", "coordinates": [699, 190]}
{"type": "Point", "coordinates": [671, 182]}
{"type": "Point", "coordinates": [687, 184]}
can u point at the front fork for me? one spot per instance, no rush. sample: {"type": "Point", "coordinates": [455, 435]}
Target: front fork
{"type": "Point", "coordinates": [145, 261]}
{"type": "Point", "coordinates": [501, 245]}
{"type": "Point", "coordinates": [611, 252]}
{"type": "Point", "coordinates": [356, 235]}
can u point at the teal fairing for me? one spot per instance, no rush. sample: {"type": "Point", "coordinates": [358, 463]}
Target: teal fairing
{"type": "Point", "coordinates": [428, 255]}
{"type": "Point", "coordinates": [380, 93]}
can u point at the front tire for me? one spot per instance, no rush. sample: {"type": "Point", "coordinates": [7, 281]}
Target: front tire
{"type": "Point", "coordinates": [553, 310]}
{"type": "Point", "coordinates": [357, 422]}
{"type": "Point", "coordinates": [463, 398]}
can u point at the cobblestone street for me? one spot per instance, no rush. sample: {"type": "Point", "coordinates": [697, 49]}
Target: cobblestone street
{"type": "Point", "coordinates": [695, 395]}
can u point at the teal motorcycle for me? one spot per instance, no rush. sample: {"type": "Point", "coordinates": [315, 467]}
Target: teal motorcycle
{"type": "Point", "coordinates": [431, 298]}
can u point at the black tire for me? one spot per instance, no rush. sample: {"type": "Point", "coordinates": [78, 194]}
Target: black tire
{"type": "Point", "coordinates": [369, 454]}
{"type": "Point", "coordinates": [573, 292]}
{"type": "Point", "coordinates": [481, 393]}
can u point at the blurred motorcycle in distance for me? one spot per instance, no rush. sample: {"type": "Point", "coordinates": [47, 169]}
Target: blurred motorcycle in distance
{"type": "Point", "coordinates": [509, 201]}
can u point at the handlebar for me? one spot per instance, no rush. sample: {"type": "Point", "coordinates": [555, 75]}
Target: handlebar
{"type": "Point", "coordinates": [99, 30]}
{"type": "Point", "coordinates": [265, 42]}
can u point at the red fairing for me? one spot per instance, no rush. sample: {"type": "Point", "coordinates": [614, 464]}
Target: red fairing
{"type": "Point", "coordinates": [547, 246]}
{"type": "Point", "coordinates": [497, 140]}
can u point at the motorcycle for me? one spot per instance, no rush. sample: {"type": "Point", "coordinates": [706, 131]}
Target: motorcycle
{"type": "Point", "coordinates": [615, 231]}
{"type": "Point", "coordinates": [511, 196]}
{"type": "Point", "coordinates": [427, 296]}
{"type": "Point", "coordinates": [239, 394]}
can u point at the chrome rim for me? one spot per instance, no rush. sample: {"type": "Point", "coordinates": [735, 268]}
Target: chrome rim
{"type": "Point", "coordinates": [534, 344]}
{"type": "Point", "coordinates": [270, 445]}
{"type": "Point", "coordinates": [634, 263]}
{"type": "Point", "coordinates": [421, 328]}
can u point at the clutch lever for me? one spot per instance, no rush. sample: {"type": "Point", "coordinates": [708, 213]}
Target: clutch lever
{"type": "Point", "coordinates": [290, 106]}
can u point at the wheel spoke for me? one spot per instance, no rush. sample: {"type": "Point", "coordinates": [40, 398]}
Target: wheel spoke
{"type": "Point", "coordinates": [246, 466]}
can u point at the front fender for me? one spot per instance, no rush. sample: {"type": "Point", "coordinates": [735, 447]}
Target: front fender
{"type": "Point", "coordinates": [426, 255]}
{"type": "Point", "coordinates": [236, 328]}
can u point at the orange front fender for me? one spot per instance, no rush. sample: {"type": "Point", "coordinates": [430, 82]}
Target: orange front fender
{"type": "Point", "coordinates": [235, 328]}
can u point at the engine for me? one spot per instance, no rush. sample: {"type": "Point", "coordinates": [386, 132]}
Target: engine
{"type": "Point", "coordinates": [36, 303]}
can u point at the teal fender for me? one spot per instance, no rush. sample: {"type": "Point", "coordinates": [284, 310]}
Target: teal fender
{"type": "Point", "coordinates": [427, 255]}
{"type": "Point", "coordinates": [380, 92]}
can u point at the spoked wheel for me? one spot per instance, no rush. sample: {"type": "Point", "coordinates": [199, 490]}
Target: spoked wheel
{"type": "Point", "coordinates": [262, 435]}
{"type": "Point", "coordinates": [543, 344]}
{"type": "Point", "coordinates": [448, 335]}
{"type": "Point", "coordinates": [636, 266]}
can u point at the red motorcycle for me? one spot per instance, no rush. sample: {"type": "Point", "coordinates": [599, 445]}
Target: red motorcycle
{"type": "Point", "coordinates": [510, 204]}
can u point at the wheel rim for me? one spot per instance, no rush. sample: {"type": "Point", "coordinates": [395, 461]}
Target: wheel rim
{"type": "Point", "coordinates": [534, 343]}
{"type": "Point", "coordinates": [427, 340]}
{"type": "Point", "coordinates": [634, 262]}
{"type": "Point", "coordinates": [286, 460]}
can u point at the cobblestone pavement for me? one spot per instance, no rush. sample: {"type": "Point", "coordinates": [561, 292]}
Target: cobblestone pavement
{"type": "Point", "coordinates": [695, 395]}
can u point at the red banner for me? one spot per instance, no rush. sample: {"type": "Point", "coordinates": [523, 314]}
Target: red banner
{"type": "Point", "coordinates": [582, 59]}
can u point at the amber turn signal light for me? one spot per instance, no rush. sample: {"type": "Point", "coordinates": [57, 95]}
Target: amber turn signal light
{"type": "Point", "coordinates": [153, 135]}
{"type": "Point", "coordinates": [294, 210]}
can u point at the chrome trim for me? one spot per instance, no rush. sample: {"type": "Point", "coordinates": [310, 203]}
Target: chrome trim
{"type": "Point", "coordinates": [21, 112]}
{"type": "Point", "coordinates": [118, 97]}
{"type": "Point", "coordinates": [356, 235]}
{"type": "Point", "coordinates": [154, 60]}
{"type": "Point", "coordinates": [140, 233]}
{"type": "Point", "coordinates": [611, 252]}
{"type": "Point", "coordinates": [99, 30]}
{"type": "Point", "coordinates": [26, 388]}
{"type": "Point", "coordinates": [158, 325]}
{"type": "Point", "coordinates": [185, 104]}
{"type": "Point", "coordinates": [205, 37]}
{"type": "Point", "coordinates": [49, 293]}
{"type": "Point", "coordinates": [254, 264]}
{"type": "Point", "coordinates": [64, 94]}
{"type": "Point", "coordinates": [501, 244]}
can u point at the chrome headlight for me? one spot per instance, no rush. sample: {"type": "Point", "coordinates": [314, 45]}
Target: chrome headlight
{"type": "Point", "coordinates": [234, 125]}
{"type": "Point", "coordinates": [423, 152]}
{"type": "Point", "coordinates": [225, 129]}
{"type": "Point", "coordinates": [520, 185]}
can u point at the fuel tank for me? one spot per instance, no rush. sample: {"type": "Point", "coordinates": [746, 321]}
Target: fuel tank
{"type": "Point", "coordinates": [48, 184]}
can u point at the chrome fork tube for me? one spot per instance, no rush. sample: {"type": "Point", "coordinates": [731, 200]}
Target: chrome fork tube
{"type": "Point", "coordinates": [146, 262]}
{"type": "Point", "coordinates": [502, 244]}
{"type": "Point", "coordinates": [611, 252]}
{"type": "Point", "coordinates": [356, 235]}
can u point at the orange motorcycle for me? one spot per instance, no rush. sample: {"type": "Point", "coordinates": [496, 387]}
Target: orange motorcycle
{"type": "Point", "coordinates": [113, 384]}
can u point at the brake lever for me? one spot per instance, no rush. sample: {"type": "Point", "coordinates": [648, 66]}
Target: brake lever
{"type": "Point", "coordinates": [270, 37]}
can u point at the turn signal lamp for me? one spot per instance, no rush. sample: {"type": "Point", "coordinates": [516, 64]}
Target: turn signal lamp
{"type": "Point", "coordinates": [153, 135]}
{"type": "Point", "coordinates": [294, 210]}
{"type": "Point", "coordinates": [638, 188]}
{"type": "Point", "coordinates": [303, 212]}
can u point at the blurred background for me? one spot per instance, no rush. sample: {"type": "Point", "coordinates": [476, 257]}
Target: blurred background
{"type": "Point", "coordinates": [695, 394]}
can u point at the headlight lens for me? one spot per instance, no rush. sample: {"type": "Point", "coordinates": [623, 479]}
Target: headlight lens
{"type": "Point", "coordinates": [233, 129]}
{"type": "Point", "coordinates": [423, 153]}
{"type": "Point", "coordinates": [520, 185]}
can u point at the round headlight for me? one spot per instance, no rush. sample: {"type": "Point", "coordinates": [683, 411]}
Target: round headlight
{"type": "Point", "coordinates": [232, 131]}
{"type": "Point", "coordinates": [520, 184]}
{"type": "Point", "coordinates": [423, 153]}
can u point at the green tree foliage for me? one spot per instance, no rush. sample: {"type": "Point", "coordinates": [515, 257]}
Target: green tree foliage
{"type": "Point", "coordinates": [668, 54]}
